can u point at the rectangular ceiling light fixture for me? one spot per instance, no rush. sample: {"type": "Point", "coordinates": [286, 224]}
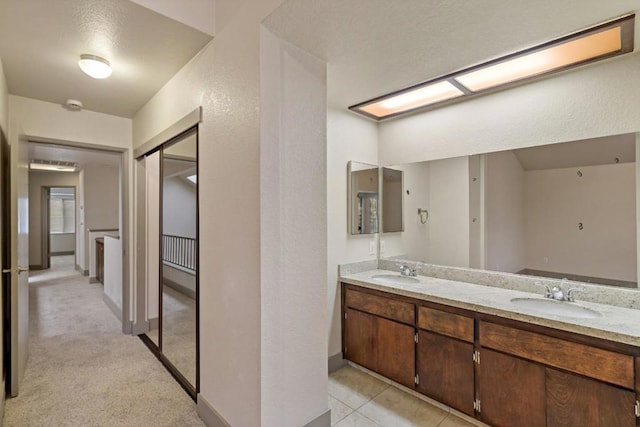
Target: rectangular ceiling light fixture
{"type": "Point", "coordinates": [52, 165]}
{"type": "Point", "coordinates": [602, 41]}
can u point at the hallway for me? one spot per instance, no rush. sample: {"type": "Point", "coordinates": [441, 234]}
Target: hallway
{"type": "Point", "coordinates": [82, 370]}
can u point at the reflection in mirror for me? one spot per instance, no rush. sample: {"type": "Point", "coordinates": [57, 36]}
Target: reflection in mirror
{"type": "Point", "coordinates": [363, 198]}
{"type": "Point", "coordinates": [179, 267]}
{"type": "Point", "coordinates": [562, 210]}
{"type": "Point", "coordinates": [392, 201]}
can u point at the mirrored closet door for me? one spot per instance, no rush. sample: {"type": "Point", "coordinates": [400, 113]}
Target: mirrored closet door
{"type": "Point", "coordinates": [172, 267]}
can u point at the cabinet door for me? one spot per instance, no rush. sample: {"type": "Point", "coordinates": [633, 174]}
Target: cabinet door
{"type": "Point", "coordinates": [445, 368]}
{"type": "Point", "coordinates": [511, 391]}
{"type": "Point", "coordinates": [360, 336]}
{"type": "Point", "coordinates": [396, 351]}
{"type": "Point", "coordinates": [573, 400]}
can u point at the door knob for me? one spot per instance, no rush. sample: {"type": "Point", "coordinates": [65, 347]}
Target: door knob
{"type": "Point", "coordinates": [6, 270]}
{"type": "Point", "coordinates": [22, 269]}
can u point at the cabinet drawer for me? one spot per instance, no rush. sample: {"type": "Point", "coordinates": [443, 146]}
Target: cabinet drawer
{"type": "Point", "coordinates": [381, 306]}
{"type": "Point", "coordinates": [604, 365]}
{"type": "Point", "coordinates": [444, 323]}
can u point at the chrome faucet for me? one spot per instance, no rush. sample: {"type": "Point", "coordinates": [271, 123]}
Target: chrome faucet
{"type": "Point", "coordinates": [558, 294]}
{"type": "Point", "coordinates": [406, 270]}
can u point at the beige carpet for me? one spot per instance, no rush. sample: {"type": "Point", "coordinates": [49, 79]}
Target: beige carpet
{"type": "Point", "coordinates": [83, 371]}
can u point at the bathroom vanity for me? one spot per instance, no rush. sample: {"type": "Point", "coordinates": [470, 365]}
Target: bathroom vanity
{"type": "Point", "coordinates": [476, 350]}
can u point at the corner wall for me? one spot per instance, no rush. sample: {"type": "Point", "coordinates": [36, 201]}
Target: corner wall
{"type": "Point", "coordinates": [224, 78]}
{"type": "Point", "coordinates": [349, 137]}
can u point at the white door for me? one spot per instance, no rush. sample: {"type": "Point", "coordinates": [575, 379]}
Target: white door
{"type": "Point", "coordinates": [19, 317]}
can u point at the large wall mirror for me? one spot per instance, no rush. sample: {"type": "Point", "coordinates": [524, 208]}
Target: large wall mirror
{"type": "Point", "coordinates": [174, 330]}
{"type": "Point", "coordinates": [563, 210]}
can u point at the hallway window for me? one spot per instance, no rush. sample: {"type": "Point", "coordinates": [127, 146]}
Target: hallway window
{"type": "Point", "coordinates": [62, 211]}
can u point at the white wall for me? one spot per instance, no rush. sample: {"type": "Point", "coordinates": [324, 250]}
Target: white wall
{"type": "Point", "coordinates": [598, 100]}
{"type": "Point", "coordinates": [51, 121]}
{"type": "Point", "coordinates": [224, 78]}
{"type": "Point", "coordinates": [37, 180]}
{"type": "Point", "coordinates": [62, 242]}
{"type": "Point", "coordinates": [349, 137]}
{"type": "Point", "coordinates": [505, 212]}
{"type": "Point", "coordinates": [603, 199]}
{"type": "Point", "coordinates": [293, 234]}
{"type": "Point", "coordinates": [178, 207]}
{"type": "Point", "coordinates": [101, 202]}
{"type": "Point", "coordinates": [113, 269]}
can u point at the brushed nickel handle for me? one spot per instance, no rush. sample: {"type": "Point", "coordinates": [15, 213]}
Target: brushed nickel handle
{"type": "Point", "coordinates": [22, 269]}
{"type": "Point", "coordinates": [6, 270]}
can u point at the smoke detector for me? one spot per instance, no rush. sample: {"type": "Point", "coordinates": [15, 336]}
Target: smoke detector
{"type": "Point", "coordinates": [73, 105]}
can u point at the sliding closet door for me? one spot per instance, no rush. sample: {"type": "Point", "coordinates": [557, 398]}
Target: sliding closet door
{"type": "Point", "coordinates": [179, 257]}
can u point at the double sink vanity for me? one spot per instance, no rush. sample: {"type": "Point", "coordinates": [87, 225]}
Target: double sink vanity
{"type": "Point", "coordinates": [506, 357]}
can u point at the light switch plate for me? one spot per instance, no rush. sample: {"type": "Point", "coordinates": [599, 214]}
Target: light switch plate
{"type": "Point", "coordinates": [372, 247]}
{"type": "Point", "coordinates": [382, 246]}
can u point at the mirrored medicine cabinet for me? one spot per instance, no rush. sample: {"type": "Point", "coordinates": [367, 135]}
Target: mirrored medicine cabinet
{"type": "Point", "coordinates": [565, 210]}
{"type": "Point", "coordinates": [375, 199]}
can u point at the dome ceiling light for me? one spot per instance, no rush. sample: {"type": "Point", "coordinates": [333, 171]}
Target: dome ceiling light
{"type": "Point", "coordinates": [602, 41]}
{"type": "Point", "coordinates": [94, 66]}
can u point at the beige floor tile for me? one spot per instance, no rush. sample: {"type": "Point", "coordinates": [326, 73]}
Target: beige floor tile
{"type": "Point", "coordinates": [395, 408]}
{"type": "Point", "coordinates": [357, 420]}
{"type": "Point", "coordinates": [354, 387]}
{"type": "Point", "coordinates": [338, 410]}
{"type": "Point", "coordinates": [453, 421]}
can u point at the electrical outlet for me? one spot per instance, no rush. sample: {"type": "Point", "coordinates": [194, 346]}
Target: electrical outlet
{"type": "Point", "coordinates": [372, 247]}
{"type": "Point", "coordinates": [382, 246]}
{"type": "Point", "coordinates": [545, 260]}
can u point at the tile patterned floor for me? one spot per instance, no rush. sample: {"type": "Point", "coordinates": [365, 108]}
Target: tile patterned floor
{"type": "Point", "coordinates": [357, 399]}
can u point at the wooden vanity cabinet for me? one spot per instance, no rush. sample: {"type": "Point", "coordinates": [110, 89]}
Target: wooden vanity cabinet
{"type": "Point", "coordinates": [500, 371]}
{"type": "Point", "coordinates": [383, 345]}
{"type": "Point", "coordinates": [445, 358]}
{"type": "Point", "coordinates": [511, 391]}
{"type": "Point", "coordinates": [573, 400]}
{"type": "Point", "coordinates": [535, 379]}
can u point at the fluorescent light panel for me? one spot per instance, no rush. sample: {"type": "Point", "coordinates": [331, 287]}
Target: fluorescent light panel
{"type": "Point", "coordinates": [543, 61]}
{"type": "Point", "coordinates": [52, 167]}
{"type": "Point", "coordinates": [602, 41]}
{"type": "Point", "coordinates": [412, 99]}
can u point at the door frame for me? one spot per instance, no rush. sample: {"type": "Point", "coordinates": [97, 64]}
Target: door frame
{"type": "Point", "coordinates": [45, 205]}
{"type": "Point", "coordinates": [127, 314]}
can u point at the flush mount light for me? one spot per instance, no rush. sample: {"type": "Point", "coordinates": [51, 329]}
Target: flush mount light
{"type": "Point", "coordinates": [94, 66]}
{"type": "Point", "coordinates": [602, 41]}
{"type": "Point", "coordinates": [53, 165]}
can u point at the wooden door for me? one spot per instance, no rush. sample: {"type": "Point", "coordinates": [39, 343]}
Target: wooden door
{"type": "Point", "coordinates": [573, 400]}
{"type": "Point", "coordinates": [445, 368]}
{"type": "Point", "coordinates": [511, 391]}
{"type": "Point", "coordinates": [360, 338]}
{"type": "Point", "coordinates": [396, 351]}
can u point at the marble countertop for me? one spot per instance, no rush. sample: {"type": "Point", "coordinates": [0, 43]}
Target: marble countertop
{"type": "Point", "coordinates": [616, 324]}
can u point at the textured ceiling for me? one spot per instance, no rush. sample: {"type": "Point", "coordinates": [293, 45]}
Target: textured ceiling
{"type": "Point", "coordinates": [373, 47]}
{"type": "Point", "coordinates": [41, 41]}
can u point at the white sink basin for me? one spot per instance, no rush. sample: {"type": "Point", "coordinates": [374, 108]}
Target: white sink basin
{"type": "Point", "coordinates": [395, 279]}
{"type": "Point", "coordinates": [556, 308]}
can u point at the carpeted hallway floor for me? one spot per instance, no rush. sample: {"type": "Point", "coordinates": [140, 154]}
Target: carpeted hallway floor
{"type": "Point", "coordinates": [82, 371]}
